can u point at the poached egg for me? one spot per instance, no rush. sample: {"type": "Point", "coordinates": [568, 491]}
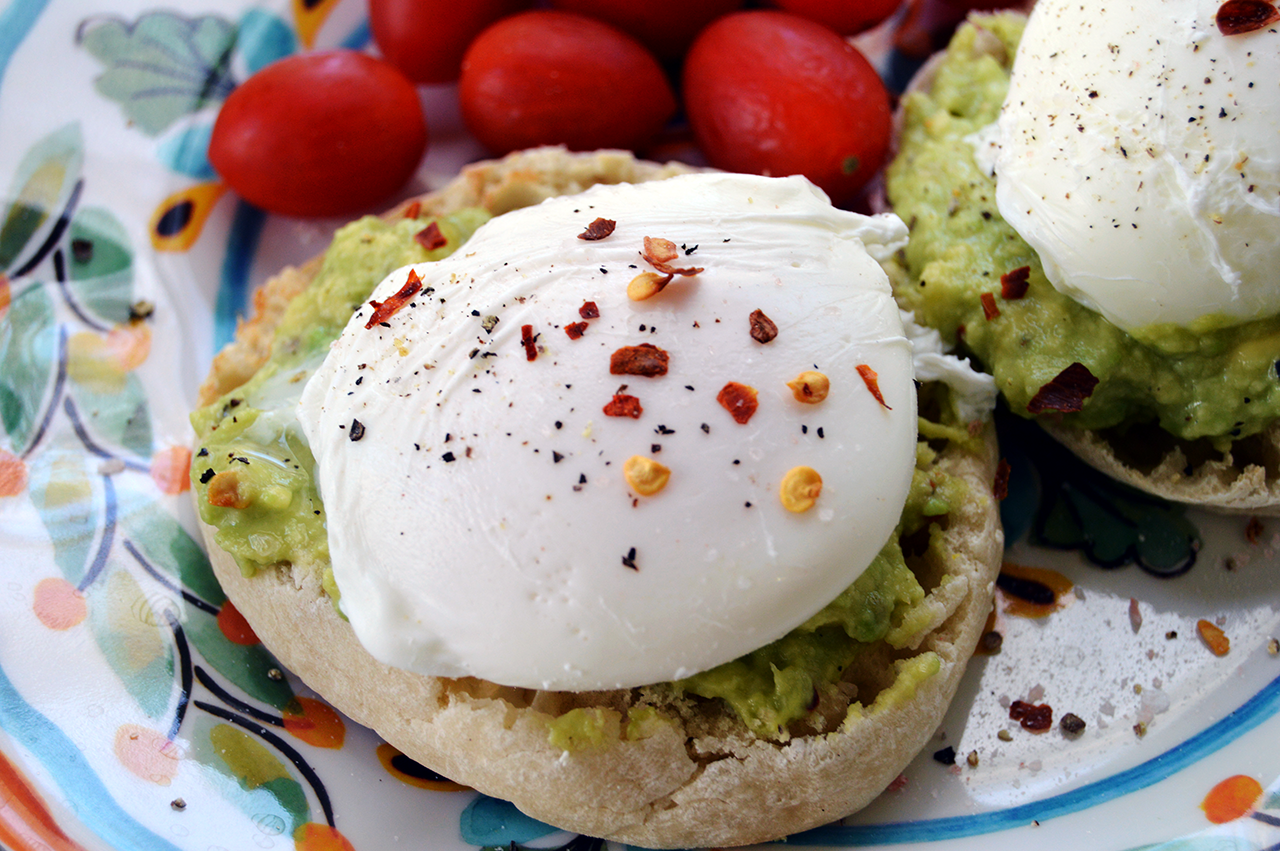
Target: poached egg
{"type": "Point", "coordinates": [540, 472]}
{"type": "Point", "coordinates": [1139, 155]}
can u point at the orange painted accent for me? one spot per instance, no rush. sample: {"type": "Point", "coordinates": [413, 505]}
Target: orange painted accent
{"type": "Point", "coordinates": [235, 627]}
{"type": "Point", "coordinates": [147, 754]}
{"type": "Point", "coordinates": [315, 722]}
{"type": "Point", "coordinates": [1051, 579]}
{"type": "Point", "coordinates": [389, 755]}
{"type": "Point", "coordinates": [193, 206]}
{"type": "Point", "coordinates": [1231, 798]}
{"type": "Point", "coordinates": [129, 344]}
{"type": "Point", "coordinates": [320, 837]}
{"type": "Point", "coordinates": [171, 469]}
{"type": "Point", "coordinates": [13, 474]}
{"type": "Point", "coordinates": [309, 17]}
{"type": "Point", "coordinates": [25, 822]}
{"type": "Point", "coordinates": [58, 604]}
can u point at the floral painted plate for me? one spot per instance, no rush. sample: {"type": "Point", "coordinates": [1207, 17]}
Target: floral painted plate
{"type": "Point", "coordinates": [138, 713]}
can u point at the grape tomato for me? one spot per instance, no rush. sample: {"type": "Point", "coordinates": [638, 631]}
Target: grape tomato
{"type": "Point", "coordinates": [426, 39]}
{"type": "Point", "coordinates": [546, 77]}
{"type": "Point", "coordinates": [320, 134]}
{"type": "Point", "coordinates": [767, 92]}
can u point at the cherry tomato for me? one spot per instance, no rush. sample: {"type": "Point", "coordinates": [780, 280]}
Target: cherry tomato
{"type": "Point", "coordinates": [319, 134]}
{"type": "Point", "coordinates": [771, 93]}
{"type": "Point", "coordinates": [554, 78]}
{"type": "Point", "coordinates": [425, 39]}
{"type": "Point", "coordinates": [667, 27]}
{"type": "Point", "coordinates": [846, 17]}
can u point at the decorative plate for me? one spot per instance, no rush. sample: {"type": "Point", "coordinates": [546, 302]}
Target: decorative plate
{"type": "Point", "coordinates": [138, 713]}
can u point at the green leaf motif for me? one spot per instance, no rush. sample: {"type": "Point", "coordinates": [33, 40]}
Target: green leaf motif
{"type": "Point", "coordinates": [117, 417]}
{"type": "Point", "coordinates": [62, 494]}
{"type": "Point", "coordinates": [133, 634]}
{"type": "Point", "coordinates": [28, 360]}
{"type": "Point", "coordinates": [268, 791]}
{"type": "Point", "coordinates": [166, 548]}
{"type": "Point", "coordinates": [163, 542]}
{"type": "Point", "coordinates": [247, 666]}
{"type": "Point", "coordinates": [41, 186]}
{"type": "Point", "coordinates": [101, 265]}
{"type": "Point", "coordinates": [163, 66]}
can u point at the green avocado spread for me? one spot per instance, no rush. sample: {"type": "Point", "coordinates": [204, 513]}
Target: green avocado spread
{"type": "Point", "coordinates": [1219, 384]}
{"type": "Point", "coordinates": [252, 476]}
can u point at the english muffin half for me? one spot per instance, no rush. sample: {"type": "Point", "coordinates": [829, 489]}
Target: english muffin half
{"type": "Point", "coordinates": [661, 765]}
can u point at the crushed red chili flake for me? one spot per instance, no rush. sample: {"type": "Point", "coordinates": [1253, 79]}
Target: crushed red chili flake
{"type": "Point", "coordinates": [589, 310]}
{"type": "Point", "coordinates": [989, 308]}
{"type": "Point", "coordinates": [872, 380]}
{"type": "Point", "coordinates": [431, 238]}
{"type": "Point", "coordinates": [739, 400]}
{"type": "Point", "coordinates": [529, 340]}
{"type": "Point", "coordinates": [623, 405]}
{"type": "Point", "coordinates": [1032, 716]}
{"type": "Point", "coordinates": [1066, 392]}
{"type": "Point", "coordinates": [660, 252]}
{"type": "Point", "coordinates": [763, 328]}
{"type": "Point", "coordinates": [1253, 530]}
{"type": "Point", "coordinates": [413, 210]}
{"type": "Point", "coordinates": [1013, 285]}
{"type": "Point", "coordinates": [598, 229]}
{"type": "Point", "coordinates": [1236, 17]}
{"type": "Point", "coordinates": [1000, 488]}
{"type": "Point", "coordinates": [1213, 637]}
{"type": "Point", "coordinates": [645, 359]}
{"type": "Point", "coordinates": [575, 329]}
{"type": "Point", "coordinates": [384, 310]}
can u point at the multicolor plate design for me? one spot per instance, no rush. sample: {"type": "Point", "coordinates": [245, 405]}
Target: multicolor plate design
{"type": "Point", "coordinates": [138, 711]}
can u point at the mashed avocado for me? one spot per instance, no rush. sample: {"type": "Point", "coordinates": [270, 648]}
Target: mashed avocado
{"type": "Point", "coordinates": [252, 474]}
{"type": "Point", "coordinates": [1219, 384]}
{"type": "Point", "coordinates": [253, 458]}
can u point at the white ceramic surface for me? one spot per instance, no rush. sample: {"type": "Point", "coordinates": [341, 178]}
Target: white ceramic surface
{"type": "Point", "coordinates": [130, 721]}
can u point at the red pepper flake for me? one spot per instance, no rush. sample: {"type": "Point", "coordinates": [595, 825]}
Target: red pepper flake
{"type": "Point", "coordinates": [384, 310]}
{"type": "Point", "coordinates": [1000, 488]}
{"type": "Point", "coordinates": [739, 400]}
{"type": "Point", "coordinates": [413, 210]}
{"type": "Point", "coordinates": [589, 310]}
{"type": "Point", "coordinates": [598, 229]}
{"type": "Point", "coordinates": [1253, 530]}
{"type": "Point", "coordinates": [1236, 17]}
{"type": "Point", "coordinates": [623, 405]}
{"type": "Point", "coordinates": [645, 359]}
{"type": "Point", "coordinates": [989, 308]}
{"type": "Point", "coordinates": [872, 380]}
{"type": "Point", "coordinates": [1066, 392]}
{"type": "Point", "coordinates": [1213, 637]}
{"type": "Point", "coordinates": [660, 252]}
{"type": "Point", "coordinates": [575, 330]}
{"type": "Point", "coordinates": [1013, 285]}
{"type": "Point", "coordinates": [1034, 717]}
{"type": "Point", "coordinates": [763, 328]}
{"type": "Point", "coordinates": [431, 238]}
{"type": "Point", "coordinates": [528, 340]}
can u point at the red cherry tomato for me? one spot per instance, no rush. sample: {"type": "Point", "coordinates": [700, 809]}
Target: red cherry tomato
{"type": "Point", "coordinates": [846, 17]}
{"type": "Point", "coordinates": [425, 39]}
{"type": "Point", "coordinates": [771, 93]}
{"type": "Point", "coordinates": [319, 134]}
{"type": "Point", "coordinates": [667, 27]}
{"type": "Point", "coordinates": [554, 78]}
